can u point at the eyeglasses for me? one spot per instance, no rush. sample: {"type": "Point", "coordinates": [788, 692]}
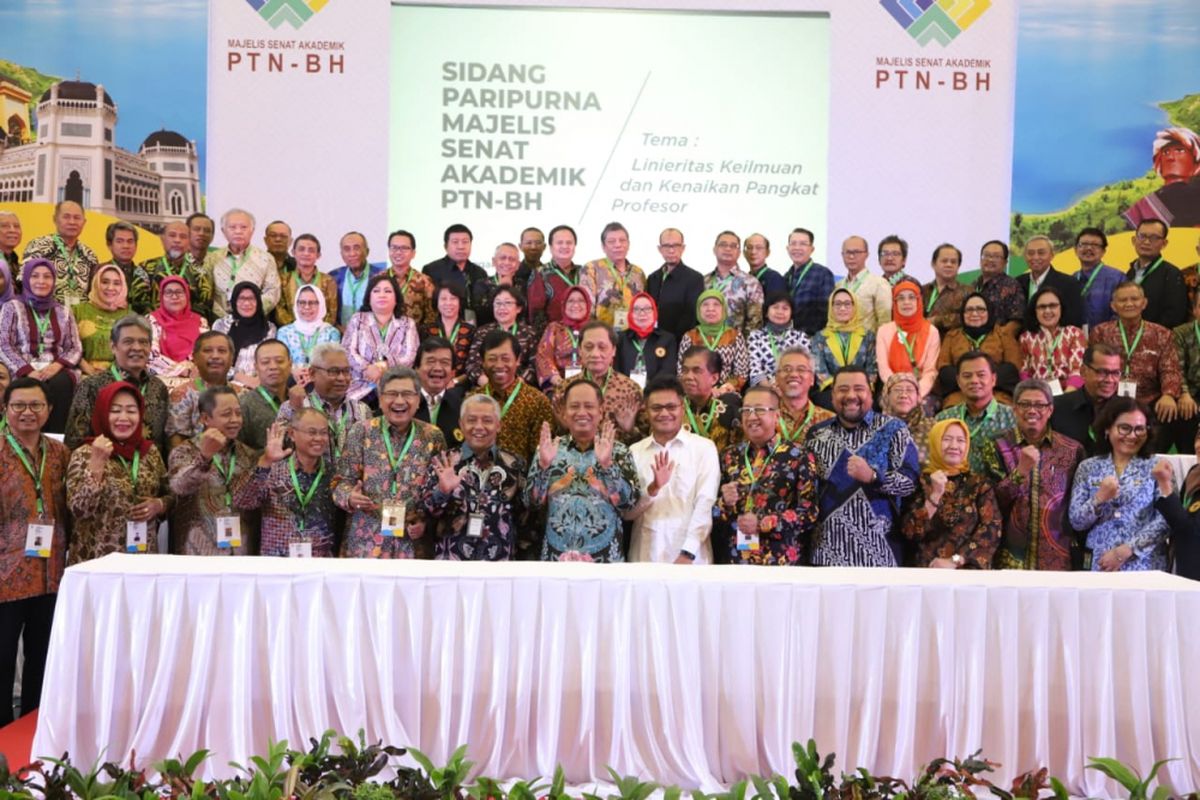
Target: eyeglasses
{"type": "Point", "coordinates": [503, 303]}
{"type": "Point", "coordinates": [843, 304]}
{"type": "Point", "coordinates": [659, 408]}
{"type": "Point", "coordinates": [1136, 431]}
{"type": "Point", "coordinates": [790, 370]}
{"type": "Point", "coordinates": [406, 394]}
{"type": "Point", "coordinates": [307, 303]}
{"type": "Point", "coordinates": [174, 293]}
{"type": "Point", "coordinates": [1104, 373]}
{"type": "Point", "coordinates": [670, 245]}
{"type": "Point", "coordinates": [1088, 245]}
{"type": "Point", "coordinates": [36, 406]}
{"type": "Point", "coordinates": [335, 372]}
{"type": "Point", "coordinates": [1151, 238]}
{"type": "Point", "coordinates": [890, 254]}
{"type": "Point", "coordinates": [758, 411]}
{"type": "Point", "coordinates": [854, 252]}
{"type": "Point", "coordinates": [1033, 405]}
{"type": "Point", "coordinates": [399, 248]}
{"type": "Point", "coordinates": [977, 310]}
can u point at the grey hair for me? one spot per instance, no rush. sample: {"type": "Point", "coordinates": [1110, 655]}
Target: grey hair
{"type": "Point", "coordinates": [797, 350]}
{"type": "Point", "coordinates": [399, 374]}
{"type": "Point", "coordinates": [322, 351]}
{"type": "Point", "coordinates": [225, 217]}
{"type": "Point", "coordinates": [129, 320]}
{"type": "Point", "coordinates": [480, 400]}
{"type": "Point", "coordinates": [1033, 385]}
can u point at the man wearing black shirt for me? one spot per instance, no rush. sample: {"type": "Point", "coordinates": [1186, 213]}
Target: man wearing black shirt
{"type": "Point", "coordinates": [456, 266]}
{"type": "Point", "coordinates": [1166, 294]}
{"type": "Point", "coordinates": [1075, 411]}
{"type": "Point", "coordinates": [675, 286]}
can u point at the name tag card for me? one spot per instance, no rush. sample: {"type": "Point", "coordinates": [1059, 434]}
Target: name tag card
{"type": "Point", "coordinates": [392, 521]}
{"type": "Point", "coordinates": [38, 538]}
{"type": "Point", "coordinates": [747, 542]}
{"type": "Point", "coordinates": [1127, 389]}
{"type": "Point", "coordinates": [299, 549]}
{"type": "Point", "coordinates": [135, 536]}
{"type": "Point", "coordinates": [1056, 387]}
{"type": "Point", "coordinates": [229, 532]}
{"type": "Point", "coordinates": [475, 526]}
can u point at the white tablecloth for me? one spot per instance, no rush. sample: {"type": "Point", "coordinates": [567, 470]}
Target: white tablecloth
{"type": "Point", "coordinates": [687, 675]}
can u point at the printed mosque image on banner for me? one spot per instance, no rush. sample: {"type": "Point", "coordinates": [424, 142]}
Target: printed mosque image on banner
{"type": "Point", "coordinates": [74, 157]}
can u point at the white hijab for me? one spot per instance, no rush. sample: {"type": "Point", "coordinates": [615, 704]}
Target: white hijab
{"type": "Point", "coordinates": [309, 328]}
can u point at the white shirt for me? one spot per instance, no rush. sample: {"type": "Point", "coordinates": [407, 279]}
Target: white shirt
{"type": "Point", "coordinates": [680, 516]}
{"type": "Point", "coordinates": [874, 295]}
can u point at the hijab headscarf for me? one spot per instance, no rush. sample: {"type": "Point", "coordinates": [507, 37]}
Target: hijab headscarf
{"type": "Point", "coordinates": [711, 332]}
{"type": "Point", "coordinates": [97, 299]}
{"type": "Point", "coordinates": [137, 442]}
{"type": "Point", "coordinates": [247, 331]}
{"type": "Point", "coordinates": [913, 328]}
{"type": "Point", "coordinates": [777, 296]}
{"type": "Point", "coordinates": [849, 335]}
{"type": "Point", "coordinates": [181, 330]}
{"type": "Point", "coordinates": [309, 328]}
{"type": "Point", "coordinates": [976, 333]}
{"type": "Point", "coordinates": [937, 461]}
{"type": "Point", "coordinates": [9, 292]}
{"type": "Point", "coordinates": [905, 376]}
{"type": "Point", "coordinates": [38, 304]}
{"type": "Point", "coordinates": [642, 333]}
{"type": "Point", "coordinates": [576, 324]}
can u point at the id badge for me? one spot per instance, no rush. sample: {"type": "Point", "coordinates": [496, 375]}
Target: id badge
{"type": "Point", "coordinates": [1056, 387]}
{"type": "Point", "coordinates": [229, 532]}
{"type": "Point", "coordinates": [571, 372]}
{"type": "Point", "coordinates": [1127, 389]}
{"type": "Point", "coordinates": [300, 550]}
{"type": "Point", "coordinates": [38, 538]}
{"type": "Point", "coordinates": [392, 520]}
{"type": "Point", "coordinates": [475, 526]}
{"type": "Point", "coordinates": [136, 534]}
{"type": "Point", "coordinates": [747, 542]}
{"type": "Point", "coordinates": [620, 319]}
{"type": "Point", "coordinates": [639, 378]}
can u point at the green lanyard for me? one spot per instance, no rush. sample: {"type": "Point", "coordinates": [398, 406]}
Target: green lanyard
{"type": "Point", "coordinates": [41, 473]}
{"type": "Point", "coordinates": [1138, 280]}
{"type": "Point", "coordinates": [1054, 349]}
{"type": "Point", "coordinates": [795, 284]}
{"type": "Point", "coordinates": [70, 261]}
{"type": "Point", "coordinates": [712, 345]}
{"type": "Point", "coordinates": [844, 346]}
{"type": "Point", "coordinates": [356, 285]}
{"type": "Point", "coordinates": [640, 346]}
{"type": "Point", "coordinates": [383, 332]}
{"type": "Point", "coordinates": [857, 282]}
{"type": "Point", "coordinates": [507, 403]}
{"type": "Point", "coordinates": [566, 280]}
{"type": "Point", "coordinates": [302, 498]}
{"type": "Point", "coordinates": [603, 386]}
{"type": "Point", "coordinates": [338, 426]}
{"type": "Point", "coordinates": [1033, 285]}
{"type": "Point", "coordinates": [703, 431]}
{"type": "Point", "coordinates": [755, 478]}
{"type": "Point", "coordinates": [392, 459]}
{"type": "Point", "coordinates": [226, 475]}
{"type": "Point", "coordinates": [908, 347]}
{"type": "Point", "coordinates": [1091, 279]}
{"type": "Point", "coordinates": [133, 471]}
{"type": "Point", "coordinates": [976, 344]}
{"type": "Point", "coordinates": [270, 400]}
{"type": "Point", "coordinates": [407, 279]}
{"type": "Point", "coordinates": [1125, 341]}
{"type": "Point", "coordinates": [773, 341]}
{"type": "Point", "coordinates": [166, 265]}
{"type": "Point", "coordinates": [454, 333]}
{"type": "Point", "coordinates": [235, 265]}
{"type": "Point", "coordinates": [434, 411]}
{"type": "Point", "coordinates": [933, 296]}
{"type": "Point", "coordinates": [43, 324]}
{"type": "Point", "coordinates": [791, 435]}
{"type": "Point", "coordinates": [974, 428]}
{"type": "Point", "coordinates": [619, 280]}
{"type": "Point", "coordinates": [722, 284]}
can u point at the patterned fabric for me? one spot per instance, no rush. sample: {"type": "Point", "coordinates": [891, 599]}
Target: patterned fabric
{"type": "Point", "coordinates": [154, 393]}
{"type": "Point", "coordinates": [521, 425]}
{"type": "Point", "coordinates": [995, 421]}
{"type": "Point", "coordinates": [779, 486]}
{"type": "Point", "coordinates": [999, 343]}
{"type": "Point", "coordinates": [826, 364]}
{"type": "Point", "coordinates": [1129, 518]}
{"type": "Point", "coordinates": [548, 293]}
{"type": "Point", "coordinates": [743, 298]}
{"type": "Point", "coordinates": [101, 508]}
{"type": "Point", "coordinates": [327, 286]}
{"type": "Point", "coordinates": [365, 458]}
{"type": "Point", "coordinates": [244, 360]}
{"type": "Point", "coordinates": [365, 345]}
{"type": "Point", "coordinates": [143, 286]}
{"type": "Point", "coordinates": [765, 348]}
{"type": "Point", "coordinates": [718, 420]}
{"type": "Point", "coordinates": [183, 414]}
{"type": "Point", "coordinates": [95, 329]}
{"type": "Point", "coordinates": [254, 265]}
{"type": "Point", "coordinates": [874, 296]}
{"type": "Point", "coordinates": [1003, 293]}
{"type": "Point", "coordinates": [794, 426]}
{"type": "Point", "coordinates": [925, 367]}
{"type": "Point", "coordinates": [73, 268]}
{"type": "Point", "coordinates": [611, 291]}
{"type": "Point", "coordinates": [417, 290]}
{"type": "Point", "coordinates": [967, 523]}
{"type": "Point", "coordinates": [258, 414]}
{"type": "Point", "coordinates": [857, 525]}
{"type": "Point", "coordinates": [735, 355]}
{"type": "Point", "coordinates": [1097, 301]}
{"type": "Point", "coordinates": [557, 352]}
{"type": "Point", "coordinates": [169, 370]}
{"type": "Point", "coordinates": [1058, 357]}
{"type": "Point", "coordinates": [200, 497]}
{"type": "Point", "coordinates": [584, 502]}
{"type": "Point", "coordinates": [23, 351]}
{"type": "Point", "coordinates": [1155, 362]}
{"type": "Point", "coordinates": [270, 491]}
{"type": "Point", "coordinates": [919, 424]}
{"type": "Point", "coordinates": [1040, 498]}
{"type": "Point", "coordinates": [1191, 279]}
{"type": "Point", "coordinates": [1187, 346]}
{"type": "Point", "coordinates": [527, 338]}
{"type": "Point", "coordinates": [810, 295]}
{"type": "Point", "coordinates": [300, 347]}
{"type": "Point", "coordinates": [22, 576]}
{"type": "Point", "coordinates": [620, 397]}
{"type": "Point", "coordinates": [493, 487]}
{"type": "Point", "coordinates": [464, 334]}
{"type": "Point", "coordinates": [341, 418]}
{"type": "Point", "coordinates": [946, 309]}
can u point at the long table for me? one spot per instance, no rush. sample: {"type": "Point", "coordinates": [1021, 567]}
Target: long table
{"type": "Point", "coordinates": [686, 675]}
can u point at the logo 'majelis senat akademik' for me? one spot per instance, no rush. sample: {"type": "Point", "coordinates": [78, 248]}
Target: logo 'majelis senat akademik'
{"type": "Point", "coordinates": [935, 20]}
{"type": "Point", "coordinates": [293, 12]}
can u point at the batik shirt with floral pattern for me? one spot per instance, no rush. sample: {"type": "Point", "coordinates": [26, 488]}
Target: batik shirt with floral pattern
{"type": "Point", "coordinates": [492, 487]}
{"type": "Point", "coordinates": [967, 522]}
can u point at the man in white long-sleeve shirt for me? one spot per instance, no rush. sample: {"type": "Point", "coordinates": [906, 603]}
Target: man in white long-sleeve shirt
{"type": "Point", "coordinates": [680, 473]}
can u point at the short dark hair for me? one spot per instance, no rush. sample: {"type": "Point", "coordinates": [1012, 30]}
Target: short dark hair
{"type": "Point", "coordinates": [777, 296]}
{"type": "Point", "coordinates": [893, 239]}
{"type": "Point", "coordinates": [582, 381]}
{"type": "Point", "coordinates": [457, 227]}
{"type": "Point", "coordinates": [713, 361]}
{"type": "Point", "coordinates": [207, 402]}
{"type": "Point", "coordinates": [851, 369]}
{"type": "Point", "coordinates": [268, 343]}
{"type": "Point", "coordinates": [512, 291]}
{"type": "Point", "coordinates": [610, 228]}
{"type": "Point", "coordinates": [599, 324]}
{"type": "Point", "coordinates": [210, 334]}
{"type": "Point", "coordinates": [430, 344]}
{"type": "Point", "coordinates": [1003, 246]}
{"type": "Point", "coordinates": [1031, 320]}
{"type": "Point", "coordinates": [497, 337]}
{"type": "Point", "coordinates": [1092, 232]}
{"type": "Point", "coordinates": [557, 228]}
{"type": "Point", "coordinates": [25, 382]}
{"type": "Point", "coordinates": [663, 383]}
{"type": "Point", "coordinates": [727, 233]}
{"type": "Point", "coordinates": [972, 355]}
{"type": "Point", "coordinates": [1166, 229]}
{"type": "Point", "coordinates": [454, 289]}
{"type": "Point", "coordinates": [304, 237]}
{"type": "Point", "coordinates": [943, 246]}
{"type": "Point", "coordinates": [811, 239]}
{"type": "Point", "coordinates": [1101, 348]}
{"type": "Point", "coordinates": [763, 388]}
{"type": "Point", "coordinates": [531, 228]}
{"type": "Point", "coordinates": [377, 279]}
{"type": "Point", "coordinates": [197, 215]}
{"type": "Point", "coordinates": [110, 232]}
{"type": "Point", "coordinates": [412, 240]}
{"type": "Point", "coordinates": [1113, 408]}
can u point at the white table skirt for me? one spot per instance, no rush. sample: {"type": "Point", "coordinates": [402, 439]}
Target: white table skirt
{"type": "Point", "coordinates": [687, 675]}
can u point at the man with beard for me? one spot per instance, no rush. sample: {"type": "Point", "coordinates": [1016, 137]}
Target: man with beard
{"type": "Point", "coordinates": [794, 379]}
{"type": "Point", "coordinates": [440, 404]}
{"type": "Point", "coordinates": [867, 464]}
{"type": "Point", "coordinates": [177, 260]}
{"type": "Point", "coordinates": [1075, 411]}
{"type": "Point", "coordinates": [327, 394]}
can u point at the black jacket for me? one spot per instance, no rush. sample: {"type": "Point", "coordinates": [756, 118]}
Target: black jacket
{"type": "Point", "coordinates": [676, 298]}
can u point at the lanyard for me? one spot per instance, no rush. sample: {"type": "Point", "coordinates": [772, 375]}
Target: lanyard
{"type": "Point", "coordinates": [1034, 285]}
{"type": "Point", "coordinates": [392, 459]}
{"type": "Point", "coordinates": [37, 479]}
{"type": "Point", "coordinates": [235, 265]}
{"type": "Point", "coordinates": [42, 322]}
{"type": "Point", "coordinates": [1091, 279]}
{"type": "Point", "coordinates": [932, 298]}
{"type": "Point", "coordinates": [795, 284]}
{"type": "Point", "coordinates": [603, 386]}
{"type": "Point", "coordinates": [791, 435]}
{"type": "Point", "coordinates": [408, 273]}
{"type": "Point", "coordinates": [755, 478]}
{"type": "Point", "coordinates": [976, 344]}
{"type": "Point", "coordinates": [703, 431]}
{"type": "Point", "coordinates": [640, 346]}
{"type": "Point", "coordinates": [857, 282]}
{"type": "Point", "coordinates": [1054, 349]}
{"type": "Point", "coordinates": [507, 403]}
{"type": "Point", "coordinates": [166, 265]}
{"type": "Point", "coordinates": [434, 410]}
{"type": "Point", "coordinates": [383, 332]}
{"type": "Point", "coordinates": [844, 345]}
{"type": "Point", "coordinates": [226, 475]}
{"type": "Point", "coordinates": [137, 465]}
{"type": "Point", "coordinates": [974, 428]}
{"type": "Point", "coordinates": [773, 341]}
{"type": "Point", "coordinates": [619, 280]}
{"type": "Point", "coordinates": [908, 347]}
{"type": "Point", "coordinates": [112, 370]}
{"type": "Point", "coordinates": [1125, 341]}
{"type": "Point", "coordinates": [356, 285]}
{"type": "Point", "coordinates": [70, 261]}
{"type": "Point", "coordinates": [454, 333]}
{"type": "Point", "coordinates": [338, 426]}
{"type": "Point", "coordinates": [563, 275]}
{"type": "Point", "coordinates": [302, 498]}
{"type": "Point", "coordinates": [713, 344]}
{"type": "Point", "coordinates": [722, 284]}
{"type": "Point", "coordinates": [1138, 280]}
{"type": "Point", "coordinates": [270, 400]}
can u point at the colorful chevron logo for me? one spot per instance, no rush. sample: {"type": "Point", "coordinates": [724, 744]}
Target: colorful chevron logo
{"type": "Point", "coordinates": [293, 12]}
{"type": "Point", "coordinates": [935, 20]}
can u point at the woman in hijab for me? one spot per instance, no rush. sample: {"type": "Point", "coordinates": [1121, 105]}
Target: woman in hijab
{"type": "Point", "coordinates": [309, 330]}
{"type": "Point", "coordinates": [953, 516]}
{"type": "Point", "coordinates": [844, 341]}
{"type": "Point", "coordinates": [909, 343]}
{"type": "Point", "coordinates": [174, 329]}
{"type": "Point", "coordinates": [711, 332]}
{"type": "Point", "coordinates": [979, 331]}
{"type": "Point", "coordinates": [775, 336]}
{"type": "Point", "coordinates": [902, 399]}
{"type": "Point", "coordinates": [643, 351]}
{"type": "Point", "coordinates": [39, 338]}
{"type": "Point", "coordinates": [108, 301]}
{"type": "Point", "coordinates": [247, 326]}
{"type": "Point", "coordinates": [116, 481]}
{"type": "Point", "coordinates": [558, 356]}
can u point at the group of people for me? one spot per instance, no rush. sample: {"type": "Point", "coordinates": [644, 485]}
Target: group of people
{"type": "Point", "coordinates": [590, 412]}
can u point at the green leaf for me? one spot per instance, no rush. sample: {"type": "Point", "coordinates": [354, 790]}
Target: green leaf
{"type": "Point", "coordinates": [1060, 791]}
{"type": "Point", "coordinates": [1117, 771]}
{"type": "Point", "coordinates": [423, 760]}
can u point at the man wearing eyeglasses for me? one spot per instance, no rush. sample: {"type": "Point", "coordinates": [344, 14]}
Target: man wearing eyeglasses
{"type": "Point", "coordinates": [809, 284]}
{"type": "Point", "coordinates": [1166, 293]}
{"type": "Point", "coordinates": [675, 286]}
{"type": "Point", "coordinates": [327, 394]}
{"type": "Point", "coordinates": [416, 289]}
{"type": "Point", "coordinates": [874, 294]}
{"type": "Point", "coordinates": [1039, 256]}
{"type": "Point", "coordinates": [1033, 485]}
{"type": "Point", "coordinates": [794, 379]}
{"type": "Point", "coordinates": [893, 258]}
{"type": "Point", "coordinates": [1074, 411]}
{"type": "Point", "coordinates": [1096, 279]}
{"type": "Point", "coordinates": [867, 464]}
{"type": "Point", "coordinates": [743, 293]}
{"type": "Point", "coordinates": [1001, 290]}
{"type": "Point", "coordinates": [679, 473]}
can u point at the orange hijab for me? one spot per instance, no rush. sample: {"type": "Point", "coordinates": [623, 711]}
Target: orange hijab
{"type": "Point", "coordinates": [913, 330]}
